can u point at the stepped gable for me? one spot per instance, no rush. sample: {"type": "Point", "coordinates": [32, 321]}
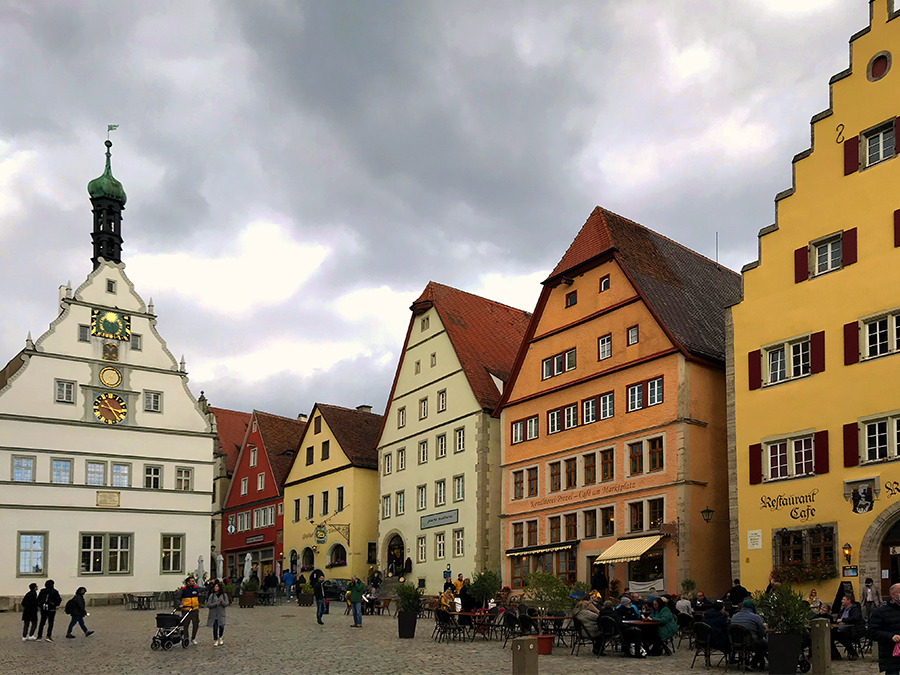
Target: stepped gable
{"type": "Point", "coordinates": [687, 291]}
{"type": "Point", "coordinates": [356, 431]}
{"type": "Point", "coordinates": [280, 436]}
{"type": "Point", "coordinates": [486, 336]}
{"type": "Point", "coordinates": [232, 428]}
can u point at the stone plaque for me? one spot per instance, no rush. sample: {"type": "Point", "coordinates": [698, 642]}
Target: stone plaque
{"type": "Point", "coordinates": [107, 498]}
{"type": "Point", "coordinates": [754, 539]}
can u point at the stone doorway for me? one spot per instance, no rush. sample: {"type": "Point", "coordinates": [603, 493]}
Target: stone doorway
{"type": "Point", "coordinates": [880, 549]}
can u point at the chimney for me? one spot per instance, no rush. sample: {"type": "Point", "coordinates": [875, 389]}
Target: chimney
{"type": "Point", "coordinates": [364, 408]}
{"type": "Point", "coordinates": [303, 417]}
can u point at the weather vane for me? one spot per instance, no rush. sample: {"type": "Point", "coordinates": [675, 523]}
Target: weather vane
{"type": "Point", "coordinates": [110, 127]}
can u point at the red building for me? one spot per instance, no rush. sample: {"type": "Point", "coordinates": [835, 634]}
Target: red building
{"type": "Point", "coordinates": [254, 508]}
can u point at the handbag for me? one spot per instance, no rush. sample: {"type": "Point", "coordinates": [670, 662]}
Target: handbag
{"type": "Point", "coordinates": [896, 649]}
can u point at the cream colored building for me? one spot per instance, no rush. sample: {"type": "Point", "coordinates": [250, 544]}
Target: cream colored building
{"type": "Point", "coordinates": [106, 460]}
{"type": "Point", "coordinates": [439, 449]}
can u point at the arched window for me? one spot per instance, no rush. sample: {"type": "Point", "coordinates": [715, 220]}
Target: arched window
{"type": "Point", "coordinates": [307, 560]}
{"type": "Point", "coordinates": [337, 557]}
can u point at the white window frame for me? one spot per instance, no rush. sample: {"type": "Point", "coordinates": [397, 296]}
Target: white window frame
{"type": "Point", "coordinates": [570, 416]}
{"type": "Point", "coordinates": [153, 401]}
{"type": "Point", "coordinates": [635, 402]}
{"type": "Point", "coordinates": [153, 478]}
{"type": "Point", "coordinates": [433, 359]}
{"type": "Point", "coordinates": [459, 439]}
{"type": "Point", "coordinates": [423, 451]}
{"type": "Point", "coordinates": [95, 552]}
{"type": "Point", "coordinates": [260, 481]}
{"type": "Point", "coordinates": [385, 507]}
{"type": "Point", "coordinates": [68, 471]}
{"type": "Point", "coordinates": [891, 421]}
{"type": "Point", "coordinates": [655, 391]}
{"type": "Point", "coordinates": [387, 463]}
{"type": "Point", "coordinates": [517, 432]}
{"type": "Point", "coordinates": [423, 408]}
{"type": "Point", "coordinates": [442, 400]}
{"type": "Point", "coordinates": [243, 522]}
{"type": "Point", "coordinates": [459, 543]}
{"type": "Point", "coordinates": [185, 477]}
{"type": "Point", "coordinates": [634, 335]}
{"type": "Point", "coordinates": [440, 442]}
{"type": "Point", "coordinates": [604, 347]}
{"type": "Point", "coordinates": [790, 359]}
{"type": "Point", "coordinates": [401, 417]}
{"type": "Point", "coordinates": [792, 443]}
{"type": "Point", "coordinates": [421, 549]}
{"type": "Point", "coordinates": [421, 498]}
{"type": "Point", "coordinates": [832, 248]}
{"type": "Point", "coordinates": [264, 517]}
{"type": "Point", "coordinates": [118, 473]}
{"type": "Point", "coordinates": [553, 422]}
{"type": "Point", "coordinates": [172, 549]}
{"type": "Point", "coordinates": [881, 132]}
{"type": "Point", "coordinates": [424, 323]}
{"type": "Point", "coordinates": [31, 553]}
{"type": "Point", "coordinates": [88, 473]}
{"type": "Point", "coordinates": [459, 488]}
{"type": "Point", "coordinates": [559, 364]}
{"type": "Point", "coordinates": [401, 502]}
{"type": "Point", "coordinates": [440, 545]}
{"type": "Point", "coordinates": [607, 405]}
{"type": "Point", "coordinates": [532, 427]}
{"type": "Point", "coordinates": [401, 459]}
{"type": "Point", "coordinates": [440, 492]}
{"type": "Point", "coordinates": [65, 391]}
{"type": "Point", "coordinates": [245, 482]}
{"type": "Point", "coordinates": [253, 457]}
{"type": "Point", "coordinates": [892, 334]}
{"type": "Point", "coordinates": [604, 283]}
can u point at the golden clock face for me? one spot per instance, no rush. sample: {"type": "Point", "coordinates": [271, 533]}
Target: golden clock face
{"type": "Point", "coordinates": [110, 408]}
{"type": "Point", "coordinates": [110, 377]}
{"type": "Point", "coordinates": [110, 325]}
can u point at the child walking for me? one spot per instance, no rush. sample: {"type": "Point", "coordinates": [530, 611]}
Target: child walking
{"type": "Point", "coordinates": [76, 609]}
{"type": "Point", "coordinates": [217, 602]}
{"type": "Point", "coordinates": [29, 613]}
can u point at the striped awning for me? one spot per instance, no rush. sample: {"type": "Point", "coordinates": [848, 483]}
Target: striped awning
{"type": "Point", "coordinates": [626, 550]}
{"type": "Point", "coordinates": [530, 550]}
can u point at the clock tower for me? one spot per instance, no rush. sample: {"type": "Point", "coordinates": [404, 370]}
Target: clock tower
{"type": "Point", "coordinates": [108, 199]}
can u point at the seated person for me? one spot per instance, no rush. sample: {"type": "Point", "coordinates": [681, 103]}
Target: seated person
{"type": "Point", "coordinates": [631, 635]}
{"type": "Point", "coordinates": [448, 600]}
{"type": "Point", "coordinates": [369, 600]}
{"type": "Point", "coordinates": [848, 628]}
{"type": "Point", "coordinates": [683, 606]}
{"type": "Point", "coordinates": [627, 610]}
{"type": "Point", "coordinates": [587, 613]}
{"type": "Point", "coordinates": [717, 620]}
{"type": "Point", "coordinates": [749, 619]}
{"type": "Point", "coordinates": [661, 613]}
{"type": "Point", "coordinates": [700, 603]}
{"type": "Point", "coordinates": [637, 602]}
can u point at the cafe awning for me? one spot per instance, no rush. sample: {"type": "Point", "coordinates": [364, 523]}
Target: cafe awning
{"type": "Point", "coordinates": [529, 550]}
{"type": "Point", "coordinates": [626, 550]}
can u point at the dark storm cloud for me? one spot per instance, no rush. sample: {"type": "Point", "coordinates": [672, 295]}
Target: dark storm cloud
{"type": "Point", "coordinates": [418, 140]}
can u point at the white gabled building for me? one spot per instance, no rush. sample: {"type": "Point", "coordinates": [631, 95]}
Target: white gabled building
{"type": "Point", "coordinates": [106, 459]}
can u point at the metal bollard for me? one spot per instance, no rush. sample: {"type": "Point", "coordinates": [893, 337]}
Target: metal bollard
{"type": "Point", "coordinates": [820, 634]}
{"type": "Point", "coordinates": [524, 656]}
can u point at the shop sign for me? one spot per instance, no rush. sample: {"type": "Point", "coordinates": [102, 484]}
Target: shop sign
{"type": "Point", "coordinates": [255, 538]}
{"type": "Point", "coordinates": [321, 534]}
{"type": "Point", "coordinates": [583, 494]}
{"type": "Point", "coordinates": [850, 571]}
{"type": "Point", "coordinates": [800, 505]}
{"type": "Point", "coordinates": [438, 519]}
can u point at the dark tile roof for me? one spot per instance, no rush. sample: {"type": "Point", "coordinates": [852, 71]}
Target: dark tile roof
{"type": "Point", "coordinates": [280, 436]}
{"type": "Point", "coordinates": [11, 368]}
{"type": "Point", "coordinates": [232, 427]}
{"type": "Point", "coordinates": [688, 291]}
{"type": "Point", "coordinates": [356, 431]}
{"type": "Point", "coordinates": [486, 336]}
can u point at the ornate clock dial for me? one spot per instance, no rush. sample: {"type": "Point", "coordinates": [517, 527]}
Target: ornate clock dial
{"type": "Point", "coordinates": [110, 325]}
{"type": "Point", "coordinates": [110, 377]}
{"type": "Point", "coordinates": [110, 351]}
{"type": "Point", "coordinates": [110, 408]}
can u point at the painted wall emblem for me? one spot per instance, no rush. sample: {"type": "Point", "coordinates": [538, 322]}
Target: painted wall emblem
{"type": "Point", "coordinates": [862, 498]}
{"type": "Point", "coordinates": [321, 534]}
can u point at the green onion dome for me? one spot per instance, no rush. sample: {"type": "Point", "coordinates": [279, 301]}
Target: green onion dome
{"type": "Point", "coordinates": [106, 185]}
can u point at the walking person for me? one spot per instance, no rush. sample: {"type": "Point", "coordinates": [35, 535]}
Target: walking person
{"type": "Point", "coordinates": [76, 609]}
{"type": "Point", "coordinates": [48, 601]}
{"type": "Point", "coordinates": [356, 588]}
{"type": "Point", "coordinates": [216, 602]}
{"type": "Point", "coordinates": [29, 613]}
{"type": "Point", "coordinates": [190, 606]}
{"type": "Point", "coordinates": [870, 598]}
{"type": "Point", "coordinates": [288, 580]}
{"type": "Point", "coordinates": [319, 592]}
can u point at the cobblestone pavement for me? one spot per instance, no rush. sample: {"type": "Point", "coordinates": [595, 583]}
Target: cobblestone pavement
{"type": "Point", "coordinates": [287, 639]}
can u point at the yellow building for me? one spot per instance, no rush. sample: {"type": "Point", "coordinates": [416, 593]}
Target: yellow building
{"type": "Point", "coordinates": [814, 411]}
{"type": "Point", "coordinates": [331, 494]}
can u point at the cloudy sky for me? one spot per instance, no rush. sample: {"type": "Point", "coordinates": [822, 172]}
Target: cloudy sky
{"type": "Point", "coordinates": [298, 171]}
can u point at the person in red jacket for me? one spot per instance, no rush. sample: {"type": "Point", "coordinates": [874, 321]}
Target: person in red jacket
{"type": "Point", "coordinates": [190, 605]}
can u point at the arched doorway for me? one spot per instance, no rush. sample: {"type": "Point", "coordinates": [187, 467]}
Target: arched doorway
{"type": "Point", "coordinates": [293, 561]}
{"type": "Point", "coordinates": [395, 553]}
{"type": "Point", "coordinates": [880, 549]}
{"type": "Point", "coordinates": [307, 560]}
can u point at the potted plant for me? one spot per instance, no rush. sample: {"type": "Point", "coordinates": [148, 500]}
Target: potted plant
{"type": "Point", "coordinates": [688, 586]}
{"type": "Point", "coordinates": [485, 585]}
{"type": "Point", "coordinates": [409, 602]}
{"type": "Point", "coordinates": [546, 594]}
{"type": "Point", "coordinates": [787, 617]}
{"type": "Point", "coordinates": [305, 596]}
{"type": "Point", "coordinates": [248, 591]}
{"type": "Point", "coordinates": [614, 585]}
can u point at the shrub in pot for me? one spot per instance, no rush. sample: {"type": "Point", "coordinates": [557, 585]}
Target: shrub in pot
{"type": "Point", "coordinates": [485, 586]}
{"type": "Point", "coordinates": [409, 602]}
{"type": "Point", "coordinates": [248, 591]}
{"type": "Point", "coordinates": [546, 594]}
{"type": "Point", "coordinates": [787, 615]}
{"type": "Point", "coordinates": [305, 595]}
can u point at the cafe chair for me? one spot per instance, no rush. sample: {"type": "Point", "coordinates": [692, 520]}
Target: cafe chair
{"type": "Point", "coordinates": [610, 634]}
{"type": "Point", "coordinates": [741, 646]}
{"type": "Point", "coordinates": [703, 644]}
{"type": "Point", "coordinates": [509, 625]}
{"type": "Point", "coordinates": [685, 629]}
{"type": "Point", "coordinates": [581, 637]}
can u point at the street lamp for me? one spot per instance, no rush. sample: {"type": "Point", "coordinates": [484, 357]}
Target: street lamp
{"type": "Point", "coordinates": [707, 514]}
{"type": "Point", "coordinates": [848, 549]}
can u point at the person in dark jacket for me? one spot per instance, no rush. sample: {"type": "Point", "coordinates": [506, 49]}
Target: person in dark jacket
{"type": "Point", "coordinates": [717, 620]}
{"type": "Point", "coordinates": [599, 582]}
{"type": "Point", "coordinates": [631, 635]}
{"type": "Point", "coordinates": [884, 626]}
{"type": "Point", "coordinates": [737, 593]}
{"type": "Point", "coordinates": [700, 603]}
{"type": "Point", "coordinates": [48, 600]}
{"type": "Point", "coordinates": [29, 613]}
{"type": "Point", "coordinates": [76, 609]}
{"type": "Point", "coordinates": [848, 628]}
{"type": "Point", "coordinates": [316, 578]}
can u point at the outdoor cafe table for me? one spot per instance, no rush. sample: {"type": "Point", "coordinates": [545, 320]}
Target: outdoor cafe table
{"type": "Point", "coordinates": [646, 625]}
{"type": "Point", "coordinates": [480, 622]}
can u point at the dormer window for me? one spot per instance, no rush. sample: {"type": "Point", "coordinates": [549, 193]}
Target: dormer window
{"type": "Point", "coordinates": [604, 283]}
{"type": "Point", "coordinates": [110, 286]}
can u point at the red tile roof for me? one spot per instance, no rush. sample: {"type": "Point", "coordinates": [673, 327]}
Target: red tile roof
{"type": "Point", "coordinates": [280, 436]}
{"type": "Point", "coordinates": [687, 291]}
{"type": "Point", "coordinates": [485, 335]}
{"type": "Point", "coordinates": [232, 427]}
{"type": "Point", "coordinates": [356, 432]}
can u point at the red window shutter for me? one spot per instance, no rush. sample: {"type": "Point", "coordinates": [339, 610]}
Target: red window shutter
{"type": "Point", "coordinates": [801, 265]}
{"type": "Point", "coordinates": [754, 363]}
{"type": "Point", "coordinates": [851, 155]}
{"type": "Point", "coordinates": [851, 343]}
{"type": "Point", "coordinates": [820, 444]}
{"type": "Point", "coordinates": [897, 227]}
{"type": "Point", "coordinates": [817, 352]}
{"type": "Point", "coordinates": [851, 444]}
{"type": "Point", "coordinates": [755, 464]}
{"type": "Point", "coordinates": [848, 247]}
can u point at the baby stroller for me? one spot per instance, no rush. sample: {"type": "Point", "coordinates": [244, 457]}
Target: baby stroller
{"type": "Point", "coordinates": [170, 631]}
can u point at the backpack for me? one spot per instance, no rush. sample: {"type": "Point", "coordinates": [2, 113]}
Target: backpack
{"type": "Point", "coordinates": [70, 606]}
{"type": "Point", "coordinates": [45, 601]}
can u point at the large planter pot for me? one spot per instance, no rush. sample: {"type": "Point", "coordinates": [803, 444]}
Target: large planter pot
{"type": "Point", "coordinates": [545, 644]}
{"type": "Point", "coordinates": [247, 599]}
{"type": "Point", "coordinates": [306, 599]}
{"type": "Point", "coordinates": [406, 624]}
{"type": "Point", "coordinates": [784, 653]}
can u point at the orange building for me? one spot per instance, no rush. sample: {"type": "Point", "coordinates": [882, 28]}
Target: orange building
{"type": "Point", "coordinates": [614, 416]}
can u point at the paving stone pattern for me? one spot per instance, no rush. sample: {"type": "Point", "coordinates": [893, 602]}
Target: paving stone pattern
{"type": "Point", "coordinates": [286, 639]}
